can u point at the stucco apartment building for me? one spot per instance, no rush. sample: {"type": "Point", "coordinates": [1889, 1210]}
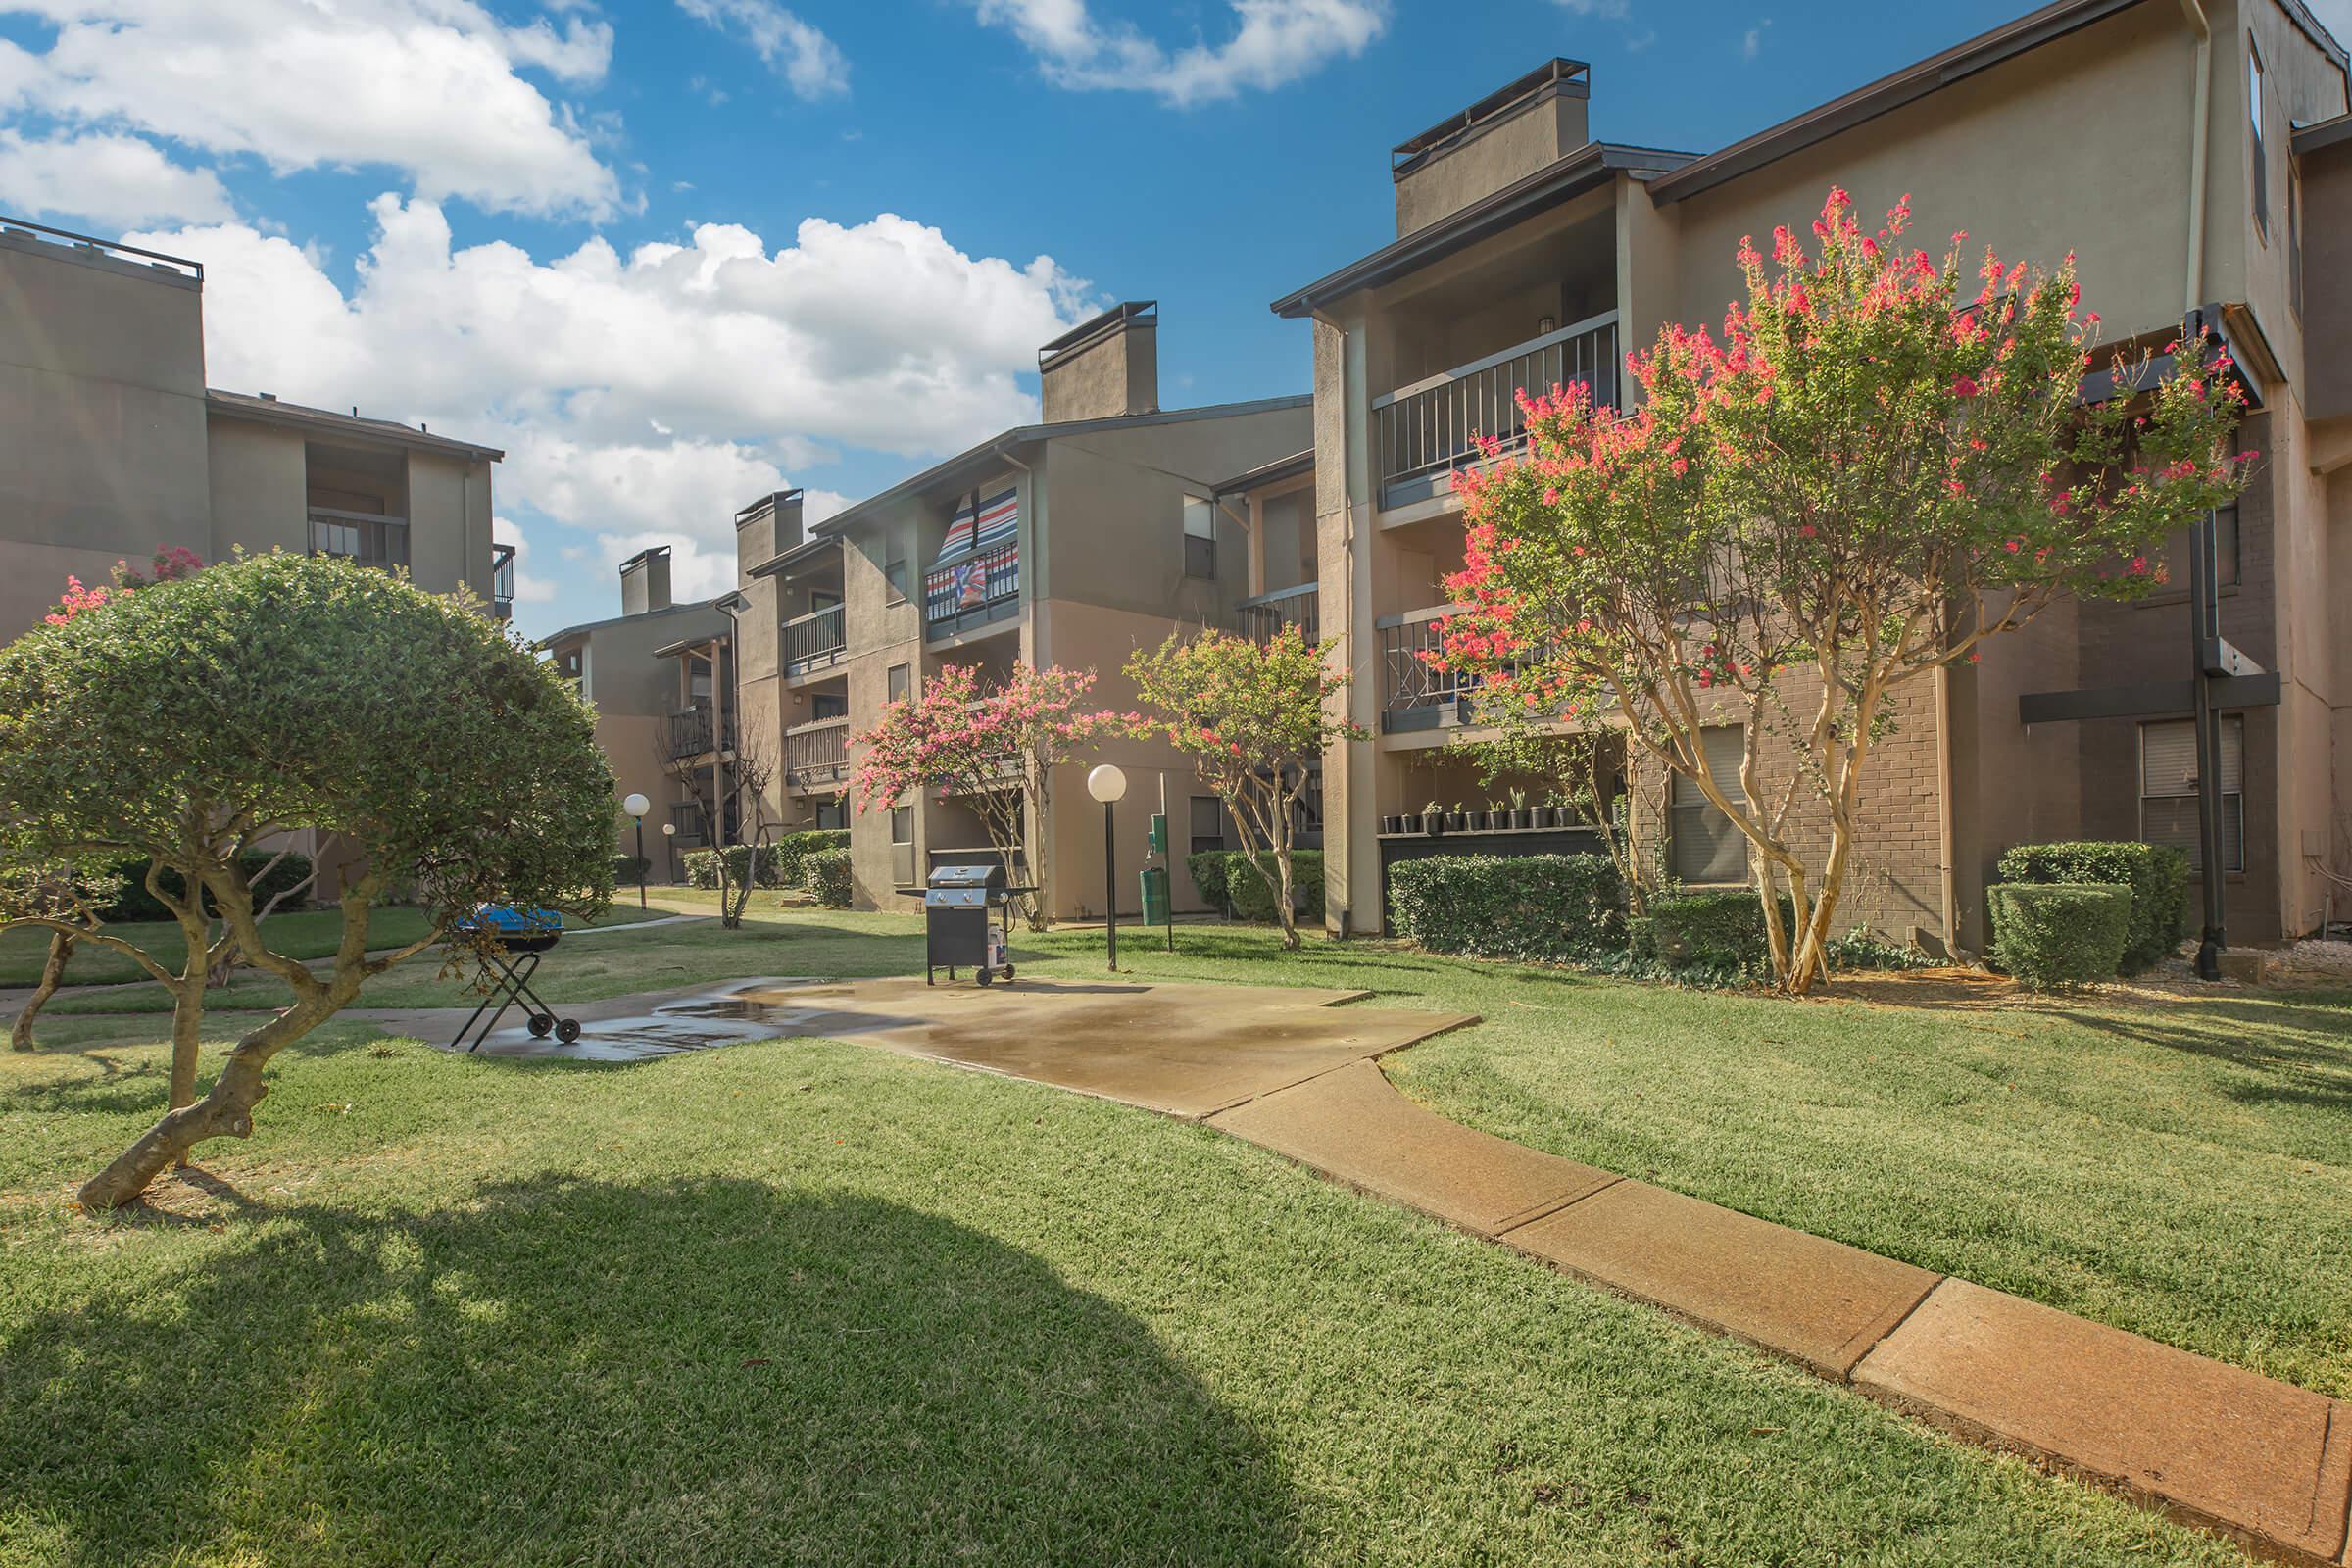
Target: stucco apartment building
{"type": "Point", "coordinates": [2198, 159]}
{"type": "Point", "coordinates": [1073, 540]}
{"type": "Point", "coordinates": [113, 448]}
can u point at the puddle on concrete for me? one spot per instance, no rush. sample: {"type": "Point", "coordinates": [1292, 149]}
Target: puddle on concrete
{"type": "Point", "coordinates": [693, 1023]}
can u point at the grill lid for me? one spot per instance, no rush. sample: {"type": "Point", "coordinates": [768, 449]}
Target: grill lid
{"type": "Point", "coordinates": [984, 877]}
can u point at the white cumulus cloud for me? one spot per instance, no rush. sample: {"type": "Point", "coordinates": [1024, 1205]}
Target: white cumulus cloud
{"type": "Point", "coordinates": [1274, 41]}
{"type": "Point", "coordinates": [105, 178]}
{"type": "Point", "coordinates": [809, 62]}
{"type": "Point", "coordinates": [430, 87]}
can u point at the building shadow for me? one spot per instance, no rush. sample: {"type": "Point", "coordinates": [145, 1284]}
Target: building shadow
{"type": "Point", "coordinates": [2290, 1054]}
{"type": "Point", "coordinates": [566, 1370]}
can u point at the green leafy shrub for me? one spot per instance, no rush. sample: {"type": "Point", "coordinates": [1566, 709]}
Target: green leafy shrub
{"type": "Point", "coordinates": [825, 874]}
{"type": "Point", "coordinates": [791, 852]}
{"type": "Point", "coordinates": [702, 866]}
{"type": "Point", "coordinates": [138, 904]}
{"type": "Point", "coordinates": [1227, 881]}
{"type": "Point", "coordinates": [629, 869]}
{"type": "Point", "coordinates": [2055, 933]}
{"type": "Point", "coordinates": [1718, 931]}
{"type": "Point", "coordinates": [1864, 949]}
{"type": "Point", "coordinates": [1545, 907]}
{"type": "Point", "coordinates": [2156, 874]}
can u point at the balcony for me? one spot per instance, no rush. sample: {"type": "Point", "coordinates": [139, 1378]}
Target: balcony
{"type": "Point", "coordinates": [502, 581]}
{"type": "Point", "coordinates": [1262, 615]}
{"type": "Point", "coordinates": [1421, 434]}
{"type": "Point", "coordinates": [817, 756]}
{"type": "Point", "coordinates": [1413, 694]}
{"type": "Point", "coordinates": [816, 640]}
{"type": "Point", "coordinates": [688, 733]}
{"type": "Point", "coordinates": [373, 539]}
{"type": "Point", "coordinates": [972, 592]}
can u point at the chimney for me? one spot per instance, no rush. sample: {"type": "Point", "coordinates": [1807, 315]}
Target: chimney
{"type": "Point", "coordinates": [645, 581]}
{"type": "Point", "coordinates": [1505, 136]}
{"type": "Point", "coordinates": [765, 530]}
{"type": "Point", "coordinates": [1104, 369]}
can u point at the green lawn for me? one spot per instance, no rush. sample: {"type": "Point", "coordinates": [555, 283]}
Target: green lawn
{"type": "Point", "coordinates": [811, 1302]}
{"type": "Point", "coordinates": [301, 934]}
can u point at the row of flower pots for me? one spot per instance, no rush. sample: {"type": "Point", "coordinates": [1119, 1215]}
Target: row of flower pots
{"type": "Point", "coordinates": [1500, 820]}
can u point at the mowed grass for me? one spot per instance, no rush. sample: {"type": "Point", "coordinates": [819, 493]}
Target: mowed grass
{"type": "Point", "coordinates": [809, 1303]}
{"type": "Point", "coordinates": [298, 934]}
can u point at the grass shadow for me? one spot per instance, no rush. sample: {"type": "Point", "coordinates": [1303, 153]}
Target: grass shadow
{"type": "Point", "coordinates": [704, 1371]}
{"type": "Point", "coordinates": [2286, 1060]}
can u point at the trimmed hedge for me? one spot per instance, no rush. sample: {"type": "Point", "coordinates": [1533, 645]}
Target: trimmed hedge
{"type": "Point", "coordinates": [791, 851]}
{"type": "Point", "coordinates": [1542, 908]}
{"type": "Point", "coordinates": [825, 874]}
{"type": "Point", "coordinates": [1720, 930]}
{"type": "Point", "coordinates": [138, 904]}
{"type": "Point", "coordinates": [2155, 874]}
{"type": "Point", "coordinates": [629, 869]}
{"type": "Point", "coordinates": [701, 865]}
{"type": "Point", "coordinates": [1228, 882]}
{"type": "Point", "coordinates": [2055, 933]}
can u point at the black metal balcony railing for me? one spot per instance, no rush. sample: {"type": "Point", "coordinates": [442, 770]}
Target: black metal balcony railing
{"type": "Point", "coordinates": [1423, 431]}
{"type": "Point", "coordinates": [1413, 693]}
{"type": "Point", "coordinates": [502, 581]}
{"type": "Point", "coordinates": [369, 538]}
{"type": "Point", "coordinates": [818, 753]}
{"type": "Point", "coordinates": [972, 592]}
{"type": "Point", "coordinates": [688, 732]}
{"type": "Point", "coordinates": [1264, 614]}
{"type": "Point", "coordinates": [816, 640]}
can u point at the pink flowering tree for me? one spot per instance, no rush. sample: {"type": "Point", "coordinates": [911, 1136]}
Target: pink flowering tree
{"type": "Point", "coordinates": [997, 746]}
{"type": "Point", "coordinates": [1253, 717]}
{"type": "Point", "coordinates": [1884, 462]}
{"type": "Point", "coordinates": [166, 565]}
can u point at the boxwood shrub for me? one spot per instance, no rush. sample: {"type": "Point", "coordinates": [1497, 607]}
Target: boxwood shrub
{"type": "Point", "coordinates": [138, 904]}
{"type": "Point", "coordinates": [2055, 933]}
{"type": "Point", "coordinates": [781, 861]}
{"type": "Point", "coordinates": [1716, 930]}
{"type": "Point", "coordinates": [1228, 882]}
{"type": "Point", "coordinates": [825, 874]}
{"type": "Point", "coordinates": [2156, 876]}
{"type": "Point", "coordinates": [1547, 907]}
{"type": "Point", "coordinates": [791, 851]}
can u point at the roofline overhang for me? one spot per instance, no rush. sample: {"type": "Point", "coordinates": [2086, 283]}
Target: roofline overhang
{"type": "Point", "coordinates": [999, 446]}
{"type": "Point", "coordinates": [1266, 474]}
{"type": "Point", "coordinates": [806, 550]}
{"type": "Point", "coordinates": [345, 427]}
{"type": "Point", "coordinates": [1587, 169]}
{"type": "Point", "coordinates": [687, 645]}
{"type": "Point", "coordinates": [586, 628]}
{"type": "Point", "coordinates": [2322, 134]}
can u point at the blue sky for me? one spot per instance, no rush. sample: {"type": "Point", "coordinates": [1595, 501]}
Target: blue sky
{"type": "Point", "coordinates": [438, 208]}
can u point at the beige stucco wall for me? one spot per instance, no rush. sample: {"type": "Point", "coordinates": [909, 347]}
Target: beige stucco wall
{"type": "Point", "coordinates": [1501, 151]}
{"type": "Point", "coordinates": [260, 479]}
{"type": "Point", "coordinates": [102, 453]}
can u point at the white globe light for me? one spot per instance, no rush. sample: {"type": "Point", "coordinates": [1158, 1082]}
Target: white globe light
{"type": "Point", "coordinates": [669, 828]}
{"type": "Point", "coordinates": [636, 805]}
{"type": "Point", "coordinates": [1107, 783]}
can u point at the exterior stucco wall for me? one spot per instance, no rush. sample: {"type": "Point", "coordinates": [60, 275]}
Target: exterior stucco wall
{"type": "Point", "coordinates": [258, 483]}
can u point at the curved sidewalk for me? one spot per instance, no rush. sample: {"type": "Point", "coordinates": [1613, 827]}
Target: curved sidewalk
{"type": "Point", "coordinates": [2263, 1461]}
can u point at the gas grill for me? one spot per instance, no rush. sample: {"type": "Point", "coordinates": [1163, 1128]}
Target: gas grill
{"type": "Point", "coordinates": [966, 910]}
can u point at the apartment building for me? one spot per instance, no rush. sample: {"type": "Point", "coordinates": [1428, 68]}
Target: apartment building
{"type": "Point", "coordinates": [648, 703]}
{"type": "Point", "coordinates": [113, 448]}
{"type": "Point", "coordinates": [2196, 157]}
{"type": "Point", "coordinates": [1072, 541]}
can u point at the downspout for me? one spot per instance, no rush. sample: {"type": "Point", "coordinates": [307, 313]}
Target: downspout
{"type": "Point", "coordinates": [2200, 132]}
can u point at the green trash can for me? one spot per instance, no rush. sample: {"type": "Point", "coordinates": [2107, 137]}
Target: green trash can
{"type": "Point", "coordinates": [1155, 895]}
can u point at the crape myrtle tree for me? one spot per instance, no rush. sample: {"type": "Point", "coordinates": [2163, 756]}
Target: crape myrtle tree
{"type": "Point", "coordinates": [996, 746]}
{"type": "Point", "coordinates": [71, 897]}
{"type": "Point", "coordinates": [194, 720]}
{"type": "Point", "coordinates": [1884, 462]}
{"type": "Point", "coordinates": [1253, 717]}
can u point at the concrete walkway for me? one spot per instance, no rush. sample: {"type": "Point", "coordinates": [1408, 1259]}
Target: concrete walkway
{"type": "Point", "coordinates": [2264, 1462]}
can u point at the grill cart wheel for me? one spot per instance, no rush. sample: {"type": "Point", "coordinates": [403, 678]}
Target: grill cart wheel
{"type": "Point", "coordinates": [1008, 971]}
{"type": "Point", "coordinates": [988, 977]}
{"type": "Point", "coordinates": [541, 1023]}
{"type": "Point", "coordinates": [567, 1030]}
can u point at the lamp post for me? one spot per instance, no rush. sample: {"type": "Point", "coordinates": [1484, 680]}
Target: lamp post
{"type": "Point", "coordinates": [669, 838]}
{"type": "Point", "coordinates": [637, 805]}
{"type": "Point", "coordinates": [1108, 784]}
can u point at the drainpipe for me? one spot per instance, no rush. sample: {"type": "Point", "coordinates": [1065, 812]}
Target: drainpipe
{"type": "Point", "coordinates": [2200, 129]}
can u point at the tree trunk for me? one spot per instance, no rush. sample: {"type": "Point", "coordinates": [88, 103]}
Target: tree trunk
{"type": "Point", "coordinates": [53, 975]}
{"type": "Point", "coordinates": [187, 1025]}
{"type": "Point", "coordinates": [227, 1111]}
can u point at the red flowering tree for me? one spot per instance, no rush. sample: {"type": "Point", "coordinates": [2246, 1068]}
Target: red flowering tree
{"type": "Point", "coordinates": [1875, 468]}
{"type": "Point", "coordinates": [1254, 716]}
{"type": "Point", "coordinates": [997, 747]}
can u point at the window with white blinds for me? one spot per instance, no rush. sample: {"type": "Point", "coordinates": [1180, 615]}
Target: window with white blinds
{"type": "Point", "coordinates": [1706, 847]}
{"type": "Point", "coordinates": [2168, 789]}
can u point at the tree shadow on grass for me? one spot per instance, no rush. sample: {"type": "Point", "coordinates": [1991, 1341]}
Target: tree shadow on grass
{"type": "Point", "coordinates": [2294, 1056]}
{"type": "Point", "coordinates": [702, 1372]}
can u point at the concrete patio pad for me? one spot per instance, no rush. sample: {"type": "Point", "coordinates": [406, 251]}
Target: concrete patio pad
{"type": "Point", "coordinates": [2260, 1458]}
{"type": "Point", "coordinates": [1354, 1125]}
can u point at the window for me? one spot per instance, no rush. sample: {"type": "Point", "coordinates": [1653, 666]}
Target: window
{"type": "Point", "coordinates": [894, 577]}
{"type": "Point", "coordinates": [827, 705]}
{"type": "Point", "coordinates": [833, 813]}
{"type": "Point", "coordinates": [1200, 537]}
{"type": "Point", "coordinates": [900, 684]}
{"type": "Point", "coordinates": [1707, 848]}
{"type": "Point", "coordinates": [2225, 551]}
{"type": "Point", "coordinates": [902, 845]}
{"type": "Point", "coordinates": [2168, 789]}
{"type": "Point", "coordinates": [370, 542]}
{"type": "Point", "coordinates": [2262, 152]}
{"type": "Point", "coordinates": [1207, 823]}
